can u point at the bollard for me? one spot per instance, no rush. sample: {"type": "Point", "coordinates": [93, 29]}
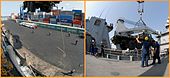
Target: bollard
{"type": "Point", "coordinates": [118, 57]}
{"type": "Point", "coordinates": [131, 58]}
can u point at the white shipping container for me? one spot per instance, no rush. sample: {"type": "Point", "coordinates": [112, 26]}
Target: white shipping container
{"type": "Point", "coordinates": [53, 21]}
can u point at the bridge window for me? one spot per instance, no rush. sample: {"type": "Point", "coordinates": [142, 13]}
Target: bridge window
{"type": "Point", "coordinates": [97, 22]}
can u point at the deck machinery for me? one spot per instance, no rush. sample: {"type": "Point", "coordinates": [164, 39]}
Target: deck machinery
{"type": "Point", "coordinates": [126, 37]}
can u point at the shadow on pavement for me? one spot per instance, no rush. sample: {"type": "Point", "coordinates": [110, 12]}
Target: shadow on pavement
{"type": "Point", "coordinates": [16, 41]}
{"type": "Point", "coordinates": [157, 69]}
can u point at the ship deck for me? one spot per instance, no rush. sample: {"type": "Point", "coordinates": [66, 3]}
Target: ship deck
{"type": "Point", "coordinates": [57, 49]}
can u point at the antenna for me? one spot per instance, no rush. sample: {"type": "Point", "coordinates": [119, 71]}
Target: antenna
{"type": "Point", "coordinates": [101, 13]}
{"type": "Point", "coordinates": [108, 11]}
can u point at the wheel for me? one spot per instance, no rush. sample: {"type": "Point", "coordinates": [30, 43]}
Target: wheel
{"type": "Point", "coordinates": [123, 45]}
{"type": "Point", "coordinates": [138, 45]}
{"type": "Point", "coordinates": [131, 45]}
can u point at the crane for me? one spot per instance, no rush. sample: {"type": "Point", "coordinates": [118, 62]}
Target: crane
{"type": "Point", "coordinates": [139, 26]}
{"type": "Point", "coordinates": [125, 37]}
{"type": "Point", "coordinates": [140, 12]}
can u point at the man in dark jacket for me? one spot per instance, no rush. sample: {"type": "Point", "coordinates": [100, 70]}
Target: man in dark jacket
{"type": "Point", "coordinates": [145, 50]}
{"type": "Point", "coordinates": [92, 47]}
{"type": "Point", "coordinates": [156, 52]}
{"type": "Point", "coordinates": [102, 49]}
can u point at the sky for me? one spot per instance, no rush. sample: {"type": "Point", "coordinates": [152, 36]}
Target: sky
{"type": "Point", "coordinates": [9, 7]}
{"type": "Point", "coordinates": [155, 13]}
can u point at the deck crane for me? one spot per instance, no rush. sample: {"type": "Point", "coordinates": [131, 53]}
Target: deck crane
{"type": "Point", "coordinates": [140, 12]}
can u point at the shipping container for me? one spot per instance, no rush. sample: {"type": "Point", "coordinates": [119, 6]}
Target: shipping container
{"type": "Point", "coordinates": [47, 15]}
{"type": "Point", "coordinates": [77, 17]}
{"type": "Point", "coordinates": [40, 16]}
{"type": "Point", "coordinates": [56, 12]}
{"type": "Point", "coordinates": [66, 21]}
{"type": "Point", "coordinates": [34, 17]}
{"type": "Point", "coordinates": [77, 11]}
{"type": "Point", "coordinates": [66, 13]}
{"type": "Point", "coordinates": [77, 14]}
{"type": "Point", "coordinates": [53, 21]}
{"type": "Point", "coordinates": [78, 22]}
{"type": "Point", "coordinates": [66, 17]}
{"type": "Point", "coordinates": [46, 20]}
{"type": "Point", "coordinates": [40, 19]}
{"type": "Point", "coordinates": [53, 16]}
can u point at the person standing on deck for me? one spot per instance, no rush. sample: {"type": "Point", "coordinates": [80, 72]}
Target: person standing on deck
{"type": "Point", "coordinates": [102, 49]}
{"type": "Point", "coordinates": [156, 53]}
{"type": "Point", "coordinates": [145, 50]}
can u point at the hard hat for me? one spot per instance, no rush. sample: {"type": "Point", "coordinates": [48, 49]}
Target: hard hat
{"type": "Point", "coordinates": [92, 40]}
{"type": "Point", "coordinates": [146, 38]}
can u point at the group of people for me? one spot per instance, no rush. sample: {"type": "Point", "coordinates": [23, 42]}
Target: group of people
{"type": "Point", "coordinates": [95, 51]}
{"type": "Point", "coordinates": [145, 52]}
{"type": "Point", "coordinates": [146, 44]}
{"type": "Point", "coordinates": [93, 48]}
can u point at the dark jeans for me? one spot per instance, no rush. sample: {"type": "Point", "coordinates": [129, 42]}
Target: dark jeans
{"type": "Point", "coordinates": [92, 50]}
{"type": "Point", "coordinates": [145, 58]}
{"type": "Point", "coordinates": [156, 56]}
{"type": "Point", "coordinates": [102, 52]}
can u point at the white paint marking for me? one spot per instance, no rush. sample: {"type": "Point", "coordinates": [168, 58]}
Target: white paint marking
{"type": "Point", "coordinates": [64, 54]}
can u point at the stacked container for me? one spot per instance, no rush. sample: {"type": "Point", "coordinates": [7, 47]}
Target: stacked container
{"type": "Point", "coordinates": [77, 21]}
{"type": "Point", "coordinates": [53, 20]}
{"type": "Point", "coordinates": [65, 19]}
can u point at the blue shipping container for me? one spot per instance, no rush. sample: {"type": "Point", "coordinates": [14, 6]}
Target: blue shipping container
{"type": "Point", "coordinates": [66, 21]}
{"type": "Point", "coordinates": [77, 11]}
{"type": "Point", "coordinates": [53, 16]}
{"type": "Point", "coordinates": [65, 17]}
